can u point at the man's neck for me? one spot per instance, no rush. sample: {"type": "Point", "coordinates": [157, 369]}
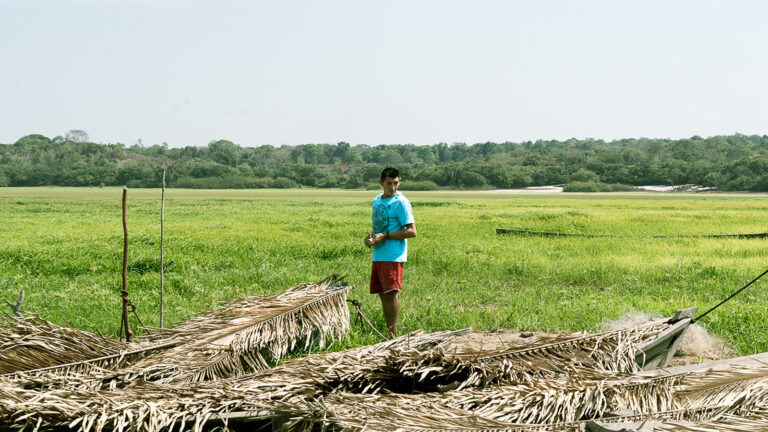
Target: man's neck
{"type": "Point", "coordinates": [385, 196]}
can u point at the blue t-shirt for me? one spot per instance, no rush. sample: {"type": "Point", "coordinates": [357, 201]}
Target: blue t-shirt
{"type": "Point", "coordinates": [389, 215]}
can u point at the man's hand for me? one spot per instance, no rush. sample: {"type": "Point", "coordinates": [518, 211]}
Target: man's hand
{"type": "Point", "coordinates": [378, 238]}
{"type": "Point", "coordinates": [374, 239]}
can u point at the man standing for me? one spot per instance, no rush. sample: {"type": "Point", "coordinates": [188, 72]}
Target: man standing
{"type": "Point", "coordinates": [392, 224]}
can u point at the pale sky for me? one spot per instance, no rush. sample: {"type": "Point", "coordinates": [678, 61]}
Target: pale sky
{"type": "Point", "coordinates": [381, 72]}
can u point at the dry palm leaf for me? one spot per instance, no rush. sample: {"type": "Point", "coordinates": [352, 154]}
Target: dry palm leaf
{"type": "Point", "coordinates": [357, 416]}
{"type": "Point", "coordinates": [299, 389]}
{"type": "Point", "coordinates": [707, 379]}
{"type": "Point", "coordinates": [612, 350]}
{"type": "Point", "coordinates": [34, 343]}
{"type": "Point", "coordinates": [566, 399]}
{"type": "Point", "coordinates": [227, 341]}
{"type": "Point", "coordinates": [436, 370]}
{"type": "Point", "coordinates": [547, 402]}
{"type": "Point", "coordinates": [558, 404]}
{"type": "Point", "coordinates": [744, 395]}
{"type": "Point", "coordinates": [555, 386]}
{"type": "Point", "coordinates": [247, 333]}
{"type": "Point", "coordinates": [152, 406]}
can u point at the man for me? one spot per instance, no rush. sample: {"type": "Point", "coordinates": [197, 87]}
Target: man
{"type": "Point", "coordinates": [392, 224]}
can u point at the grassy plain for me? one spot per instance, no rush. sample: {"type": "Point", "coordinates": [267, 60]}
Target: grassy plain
{"type": "Point", "coordinates": [64, 247]}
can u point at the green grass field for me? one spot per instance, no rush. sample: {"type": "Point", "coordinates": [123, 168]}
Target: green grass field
{"type": "Point", "coordinates": [64, 247]}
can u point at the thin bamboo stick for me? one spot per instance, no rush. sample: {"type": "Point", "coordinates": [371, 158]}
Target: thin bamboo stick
{"type": "Point", "coordinates": [125, 322]}
{"type": "Point", "coordinates": [162, 247]}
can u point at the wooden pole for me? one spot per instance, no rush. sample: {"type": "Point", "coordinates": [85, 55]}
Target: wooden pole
{"type": "Point", "coordinates": [125, 323]}
{"type": "Point", "coordinates": [162, 245]}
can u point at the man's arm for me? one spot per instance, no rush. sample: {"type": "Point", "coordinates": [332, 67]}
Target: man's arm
{"type": "Point", "coordinates": [408, 232]}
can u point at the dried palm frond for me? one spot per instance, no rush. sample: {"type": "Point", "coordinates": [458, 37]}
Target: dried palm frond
{"type": "Point", "coordinates": [34, 343]}
{"type": "Point", "coordinates": [436, 370]}
{"type": "Point", "coordinates": [550, 387]}
{"type": "Point", "coordinates": [547, 402]}
{"type": "Point", "coordinates": [707, 379]}
{"type": "Point", "coordinates": [153, 406]}
{"type": "Point", "coordinates": [689, 419]}
{"type": "Point", "coordinates": [227, 341]}
{"type": "Point", "coordinates": [445, 420]}
{"type": "Point", "coordinates": [345, 412]}
{"type": "Point", "coordinates": [565, 399]}
{"type": "Point", "coordinates": [247, 333]}
{"type": "Point", "coordinates": [726, 423]}
{"type": "Point", "coordinates": [299, 392]}
{"type": "Point", "coordinates": [91, 372]}
{"type": "Point", "coordinates": [295, 388]}
{"type": "Point", "coordinates": [612, 350]}
{"type": "Point", "coordinates": [744, 395]}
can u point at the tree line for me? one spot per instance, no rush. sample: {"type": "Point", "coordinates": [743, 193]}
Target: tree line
{"type": "Point", "coordinates": [734, 163]}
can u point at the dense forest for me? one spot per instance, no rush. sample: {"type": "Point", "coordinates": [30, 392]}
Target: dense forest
{"type": "Point", "coordinates": [735, 163]}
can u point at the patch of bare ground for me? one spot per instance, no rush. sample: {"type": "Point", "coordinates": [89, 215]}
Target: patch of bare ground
{"type": "Point", "coordinates": [698, 346]}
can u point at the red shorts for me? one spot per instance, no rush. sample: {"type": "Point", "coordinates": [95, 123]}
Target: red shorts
{"type": "Point", "coordinates": [386, 276]}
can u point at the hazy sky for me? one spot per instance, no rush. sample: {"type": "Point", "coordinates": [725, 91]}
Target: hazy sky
{"type": "Point", "coordinates": [291, 72]}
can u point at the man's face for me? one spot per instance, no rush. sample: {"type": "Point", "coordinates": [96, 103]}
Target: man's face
{"type": "Point", "coordinates": [390, 185]}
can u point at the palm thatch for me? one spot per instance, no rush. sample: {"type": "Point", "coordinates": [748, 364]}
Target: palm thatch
{"type": "Point", "coordinates": [437, 370]}
{"type": "Point", "coordinates": [248, 333]}
{"type": "Point", "coordinates": [547, 402]}
{"type": "Point", "coordinates": [34, 343]}
{"type": "Point", "coordinates": [254, 330]}
{"type": "Point", "coordinates": [228, 341]}
{"type": "Point", "coordinates": [154, 406]}
{"type": "Point", "coordinates": [743, 395]}
{"type": "Point", "coordinates": [355, 412]}
{"type": "Point", "coordinates": [215, 368]}
{"type": "Point", "coordinates": [314, 390]}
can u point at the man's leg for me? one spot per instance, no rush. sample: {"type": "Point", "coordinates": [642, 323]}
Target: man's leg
{"type": "Point", "coordinates": [391, 306]}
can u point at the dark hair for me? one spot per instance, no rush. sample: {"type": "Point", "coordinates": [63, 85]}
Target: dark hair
{"type": "Point", "coordinates": [392, 173]}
